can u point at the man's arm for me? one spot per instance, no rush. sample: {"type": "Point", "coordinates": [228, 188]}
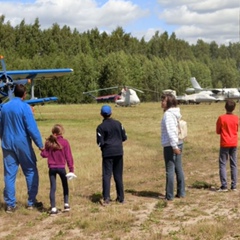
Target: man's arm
{"type": "Point", "coordinates": [32, 128]}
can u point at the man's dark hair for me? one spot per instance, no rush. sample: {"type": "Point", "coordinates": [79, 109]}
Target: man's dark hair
{"type": "Point", "coordinates": [19, 90]}
{"type": "Point", "coordinates": [170, 98]}
{"type": "Point", "coordinates": [230, 106]}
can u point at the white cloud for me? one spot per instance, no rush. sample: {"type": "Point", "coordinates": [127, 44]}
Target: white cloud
{"type": "Point", "coordinates": [190, 19]}
{"type": "Point", "coordinates": [215, 20]}
{"type": "Point", "coordinates": [80, 14]}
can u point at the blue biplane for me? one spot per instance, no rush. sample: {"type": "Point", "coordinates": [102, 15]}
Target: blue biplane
{"type": "Point", "coordinates": [8, 80]}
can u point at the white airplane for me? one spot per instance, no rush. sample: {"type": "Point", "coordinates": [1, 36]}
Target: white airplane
{"type": "Point", "coordinates": [197, 98]}
{"type": "Point", "coordinates": [219, 93]}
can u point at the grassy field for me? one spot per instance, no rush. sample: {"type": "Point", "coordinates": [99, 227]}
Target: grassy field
{"type": "Point", "coordinates": [203, 214]}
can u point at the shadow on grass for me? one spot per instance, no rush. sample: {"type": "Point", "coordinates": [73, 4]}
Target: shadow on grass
{"type": "Point", "coordinates": [2, 206]}
{"type": "Point", "coordinates": [19, 206]}
{"type": "Point", "coordinates": [148, 194]}
{"type": "Point", "coordinates": [203, 185]}
{"type": "Point", "coordinates": [95, 197]}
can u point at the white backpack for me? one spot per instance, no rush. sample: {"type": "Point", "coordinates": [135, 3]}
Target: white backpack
{"type": "Point", "coordinates": [182, 129]}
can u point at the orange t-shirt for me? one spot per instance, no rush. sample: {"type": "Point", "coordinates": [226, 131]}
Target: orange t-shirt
{"type": "Point", "coordinates": [227, 127]}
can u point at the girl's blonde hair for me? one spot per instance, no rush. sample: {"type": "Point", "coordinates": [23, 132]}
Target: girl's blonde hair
{"type": "Point", "coordinates": [58, 129]}
{"type": "Point", "coordinates": [51, 141]}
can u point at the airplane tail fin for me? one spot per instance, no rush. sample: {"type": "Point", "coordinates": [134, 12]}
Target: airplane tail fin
{"type": "Point", "coordinates": [195, 84]}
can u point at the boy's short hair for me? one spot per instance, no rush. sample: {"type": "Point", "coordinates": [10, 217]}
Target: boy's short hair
{"type": "Point", "coordinates": [230, 105]}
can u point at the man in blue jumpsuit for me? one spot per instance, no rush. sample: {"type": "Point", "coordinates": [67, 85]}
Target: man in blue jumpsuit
{"type": "Point", "coordinates": [110, 136]}
{"type": "Point", "coordinates": [17, 130]}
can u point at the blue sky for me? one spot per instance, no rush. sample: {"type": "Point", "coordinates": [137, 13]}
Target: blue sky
{"type": "Point", "coordinates": [209, 20]}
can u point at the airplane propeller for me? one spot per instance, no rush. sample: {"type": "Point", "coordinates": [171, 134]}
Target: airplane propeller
{"type": "Point", "coordinates": [7, 84]}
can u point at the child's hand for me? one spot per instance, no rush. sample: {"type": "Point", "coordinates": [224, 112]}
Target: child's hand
{"type": "Point", "coordinates": [70, 176]}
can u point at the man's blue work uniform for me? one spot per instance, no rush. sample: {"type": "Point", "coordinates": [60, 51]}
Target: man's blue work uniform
{"type": "Point", "coordinates": [17, 130]}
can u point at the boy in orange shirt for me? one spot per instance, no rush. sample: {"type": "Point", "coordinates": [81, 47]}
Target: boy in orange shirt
{"type": "Point", "coordinates": [227, 127]}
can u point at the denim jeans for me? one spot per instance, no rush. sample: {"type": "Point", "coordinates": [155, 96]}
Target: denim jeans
{"type": "Point", "coordinates": [223, 158]}
{"type": "Point", "coordinates": [173, 165]}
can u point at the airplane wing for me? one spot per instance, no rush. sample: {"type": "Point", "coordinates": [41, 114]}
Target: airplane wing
{"type": "Point", "coordinates": [9, 78]}
{"type": "Point", "coordinates": [36, 74]}
{"type": "Point", "coordinates": [39, 74]}
{"type": "Point", "coordinates": [41, 100]}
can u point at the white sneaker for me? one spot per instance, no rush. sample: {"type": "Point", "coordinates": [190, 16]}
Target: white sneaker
{"type": "Point", "coordinates": [222, 189]}
{"type": "Point", "coordinates": [66, 207]}
{"type": "Point", "coordinates": [54, 211]}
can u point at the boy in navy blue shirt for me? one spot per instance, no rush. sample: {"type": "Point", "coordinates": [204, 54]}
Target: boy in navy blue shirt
{"type": "Point", "coordinates": [110, 135]}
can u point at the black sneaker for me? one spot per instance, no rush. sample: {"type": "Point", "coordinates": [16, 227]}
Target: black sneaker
{"type": "Point", "coordinates": [178, 196]}
{"type": "Point", "coordinates": [53, 213]}
{"type": "Point", "coordinates": [10, 209]}
{"type": "Point", "coordinates": [37, 205]}
{"type": "Point", "coordinates": [119, 201]}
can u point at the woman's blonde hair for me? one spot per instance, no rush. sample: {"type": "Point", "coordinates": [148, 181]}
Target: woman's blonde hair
{"type": "Point", "coordinates": [51, 141]}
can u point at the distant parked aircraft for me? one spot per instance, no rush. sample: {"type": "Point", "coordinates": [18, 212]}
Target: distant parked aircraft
{"type": "Point", "coordinates": [220, 93]}
{"type": "Point", "coordinates": [197, 98]}
{"type": "Point", "coordinates": [127, 96]}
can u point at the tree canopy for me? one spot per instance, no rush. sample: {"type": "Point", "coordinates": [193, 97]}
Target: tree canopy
{"type": "Point", "coordinates": [102, 60]}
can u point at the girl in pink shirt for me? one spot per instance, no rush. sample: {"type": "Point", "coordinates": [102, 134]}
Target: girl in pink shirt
{"type": "Point", "coordinates": [58, 153]}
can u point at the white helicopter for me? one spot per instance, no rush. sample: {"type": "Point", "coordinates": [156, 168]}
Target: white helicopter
{"type": "Point", "coordinates": [126, 97]}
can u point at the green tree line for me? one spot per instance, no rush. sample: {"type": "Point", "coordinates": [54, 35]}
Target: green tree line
{"type": "Point", "coordinates": [102, 60]}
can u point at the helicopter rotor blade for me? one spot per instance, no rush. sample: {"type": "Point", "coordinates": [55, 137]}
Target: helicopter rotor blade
{"type": "Point", "coordinates": [101, 89]}
{"type": "Point", "coordinates": [135, 89]}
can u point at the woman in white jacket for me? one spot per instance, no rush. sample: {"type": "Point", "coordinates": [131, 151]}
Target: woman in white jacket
{"type": "Point", "coordinates": [172, 147]}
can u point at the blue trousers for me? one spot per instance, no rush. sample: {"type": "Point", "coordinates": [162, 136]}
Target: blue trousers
{"type": "Point", "coordinates": [28, 163]}
{"type": "Point", "coordinates": [224, 153]}
{"type": "Point", "coordinates": [53, 185]}
{"type": "Point", "coordinates": [173, 165]}
{"type": "Point", "coordinates": [112, 165]}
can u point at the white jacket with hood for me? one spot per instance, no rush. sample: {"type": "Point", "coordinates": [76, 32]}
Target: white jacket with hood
{"type": "Point", "coordinates": [169, 127]}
